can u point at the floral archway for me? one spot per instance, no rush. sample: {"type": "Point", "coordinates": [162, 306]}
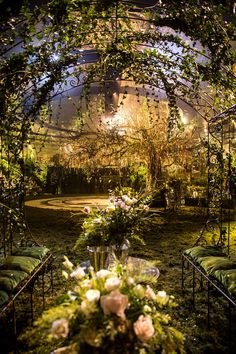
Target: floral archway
{"type": "Point", "coordinates": [45, 47]}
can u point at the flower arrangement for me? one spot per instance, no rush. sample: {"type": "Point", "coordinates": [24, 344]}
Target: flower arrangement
{"type": "Point", "coordinates": [110, 312]}
{"type": "Point", "coordinates": [119, 221]}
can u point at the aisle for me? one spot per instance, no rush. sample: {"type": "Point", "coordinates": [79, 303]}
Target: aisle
{"type": "Point", "coordinates": [73, 202]}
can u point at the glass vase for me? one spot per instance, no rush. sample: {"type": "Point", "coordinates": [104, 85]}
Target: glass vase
{"type": "Point", "coordinates": [120, 252]}
{"type": "Point", "coordinates": [98, 257]}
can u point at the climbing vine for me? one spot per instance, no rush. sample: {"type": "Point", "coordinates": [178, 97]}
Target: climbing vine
{"type": "Point", "coordinates": [178, 47]}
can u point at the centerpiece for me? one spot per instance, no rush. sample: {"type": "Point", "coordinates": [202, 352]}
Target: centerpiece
{"type": "Point", "coordinates": [108, 312]}
{"type": "Point", "coordinates": [110, 230]}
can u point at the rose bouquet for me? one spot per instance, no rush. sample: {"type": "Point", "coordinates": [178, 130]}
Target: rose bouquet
{"type": "Point", "coordinates": [109, 312]}
{"type": "Point", "coordinates": [121, 220]}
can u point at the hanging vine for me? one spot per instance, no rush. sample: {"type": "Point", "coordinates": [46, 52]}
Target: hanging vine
{"type": "Point", "coordinates": [44, 47]}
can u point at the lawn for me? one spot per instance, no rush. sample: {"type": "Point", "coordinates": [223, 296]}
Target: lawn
{"type": "Point", "coordinates": [166, 237]}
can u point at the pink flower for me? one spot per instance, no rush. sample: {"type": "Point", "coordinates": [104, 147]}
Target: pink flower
{"type": "Point", "coordinates": [150, 294]}
{"type": "Point", "coordinates": [115, 303]}
{"type": "Point", "coordinates": [87, 209]}
{"type": "Point", "coordinates": [143, 328]}
{"type": "Point", "coordinates": [60, 328]}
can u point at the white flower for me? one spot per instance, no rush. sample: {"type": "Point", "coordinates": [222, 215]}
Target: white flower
{"type": "Point", "coordinates": [143, 328]}
{"type": "Point", "coordinates": [112, 283]}
{"type": "Point", "coordinates": [60, 328]}
{"type": "Point", "coordinates": [124, 206]}
{"type": "Point", "coordinates": [118, 203]}
{"type": "Point", "coordinates": [125, 198]}
{"type": "Point", "coordinates": [72, 295]}
{"type": "Point", "coordinates": [103, 273]}
{"type": "Point", "coordinates": [97, 221]}
{"type": "Point", "coordinates": [134, 200]}
{"type": "Point", "coordinates": [92, 295]}
{"type": "Point", "coordinates": [139, 291]}
{"type": "Point", "coordinates": [110, 208]}
{"type": "Point", "coordinates": [65, 274]}
{"type": "Point", "coordinates": [162, 298]}
{"type": "Point", "coordinates": [78, 273]}
{"type": "Point", "coordinates": [86, 283]}
{"type": "Point", "coordinates": [67, 264]}
{"type": "Point", "coordinates": [130, 281]}
{"type": "Point", "coordinates": [147, 308]}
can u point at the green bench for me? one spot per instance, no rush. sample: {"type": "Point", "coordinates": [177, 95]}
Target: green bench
{"type": "Point", "coordinates": [19, 273]}
{"type": "Point", "coordinates": [210, 263]}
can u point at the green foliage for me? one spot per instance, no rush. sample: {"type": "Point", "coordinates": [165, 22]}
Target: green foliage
{"type": "Point", "coordinates": [138, 177]}
{"type": "Point", "coordinates": [108, 312]}
{"type": "Point", "coordinates": [119, 222]}
{"type": "Point", "coordinates": [35, 174]}
{"type": "Point", "coordinates": [29, 78]}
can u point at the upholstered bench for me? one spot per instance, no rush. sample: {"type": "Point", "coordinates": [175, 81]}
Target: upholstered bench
{"type": "Point", "coordinates": [213, 265]}
{"type": "Point", "coordinates": [18, 272]}
{"type": "Point", "coordinates": [198, 252]}
{"type": "Point", "coordinates": [228, 279]}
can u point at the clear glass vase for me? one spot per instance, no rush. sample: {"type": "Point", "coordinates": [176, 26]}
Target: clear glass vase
{"type": "Point", "coordinates": [120, 252]}
{"type": "Point", "coordinates": [98, 257]}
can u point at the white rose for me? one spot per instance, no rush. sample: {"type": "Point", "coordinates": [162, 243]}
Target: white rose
{"type": "Point", "coordinates": [139, 291]}
{"type": "Point", "coordinates": [162, 298]}
{"type": "Point", "coordinates": [60, 328]}
{"type": "Point", "coordinates": [112, 284]}
{"type": "Point", "coordinates": [103, 273]}
{"type": "Point", "coordinates": [92, 295]}
{"type": "Point", "coordinates": [147, 308]}
{"type": "Point", "coordinates": [130, 281]}
{"type": "Point", "coordinates": [143, 328]}
{"type": "Point", "coordinates": [78, 273]}
{"type": "Point", "coordinates": [86, 283]}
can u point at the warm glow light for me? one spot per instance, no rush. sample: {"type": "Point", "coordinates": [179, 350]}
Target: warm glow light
{"type": "Point", "coordinates": [185, 119]}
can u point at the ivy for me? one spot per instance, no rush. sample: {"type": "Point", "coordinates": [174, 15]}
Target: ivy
{"type": "Point", "coordinates": [177, 47]}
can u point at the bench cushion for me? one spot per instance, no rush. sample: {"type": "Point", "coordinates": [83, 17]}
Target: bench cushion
{"type": "Point", "coordinates": [211, 264]}
{"type": "Point", "coordinates": [38, 252]}
{"type": "Point", "coordinates": [26, 264]}
{"type": "Point", "coordinates": [204, 251]}
{"type": "Point", "coordinates": [228, 279]}
{"type": "Point", "coordinates": [3, 297]}
{"type": "Point", "coordinates": [9, 279]}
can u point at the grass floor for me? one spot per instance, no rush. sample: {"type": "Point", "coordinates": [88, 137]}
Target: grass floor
{"type": "Point", "coordinates": [167, 236]}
